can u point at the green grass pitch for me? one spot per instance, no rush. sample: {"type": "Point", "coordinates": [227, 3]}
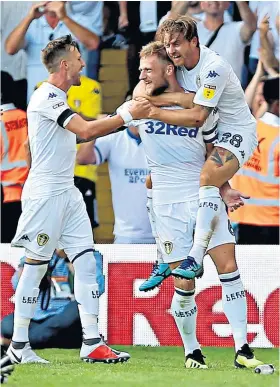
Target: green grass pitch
{"type": "Point", "coordinates": [148, 366]}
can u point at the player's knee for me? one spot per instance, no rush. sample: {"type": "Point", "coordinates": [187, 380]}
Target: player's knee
{"type": "Point", "coordinates": [228, 266]}
{"type": "Point", "coordinates": [85, 266]}
{"type": "Point", "coordinates": [184, 284]}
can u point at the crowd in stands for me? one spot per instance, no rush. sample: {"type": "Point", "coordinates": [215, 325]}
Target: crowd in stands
{"type": "Point", "coordinates": [245, 33]}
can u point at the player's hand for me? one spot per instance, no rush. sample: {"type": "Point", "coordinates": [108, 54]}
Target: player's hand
{"type": "Point", "coordinates": [35, 13]}
{"type": "Point", "coordinates": [140, 109]}
{"type": "Point", "coordinates": [58, 7]}
{"type": "Point", "coordinates": [234, 199]}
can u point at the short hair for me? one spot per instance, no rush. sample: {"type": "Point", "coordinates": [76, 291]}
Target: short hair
{"type": "Point", "coordinates": [55, 50]}
{"type": "Point", "coordinates": [271, 90]}
{"type": "Point", "coordinates": [177, 25]}
{"type": "Point", "coordinates": [155, 48]}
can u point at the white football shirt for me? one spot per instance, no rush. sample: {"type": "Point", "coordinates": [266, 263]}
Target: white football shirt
{"type": "Point", "coordinates": [53, 148]}
{"type": "Point", "coordinates": [216, 85]}
{"type": "Point", "coordinates": [175, 156]}
{"type": "Point", "coordinates": [128, 170]}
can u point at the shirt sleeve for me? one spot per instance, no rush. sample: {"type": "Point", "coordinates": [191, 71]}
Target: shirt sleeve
{"type": "Point", "coordinates": [102, 148]}
{"type": "Point", "coordinates": [57, 109]}
{"type": "Point", "coordinates": [213, 81]}
{"type": "Point", "coordinates": [210, 128]}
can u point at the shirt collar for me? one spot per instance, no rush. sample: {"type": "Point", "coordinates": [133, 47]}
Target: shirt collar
{"type": "Point", "coordinates": [7, 106]}
{"type": "Point", "coordinates": [58, 90]}
{"type": "Point", "coordinates": [44, 23]}
{"type": "Point", "coordinates": [270, 119]}
{"type": "Point", "coordinates": [132, 135]}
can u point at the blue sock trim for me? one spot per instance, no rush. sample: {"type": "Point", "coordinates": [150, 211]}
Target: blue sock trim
{"type": "Point", "coordinates": [82, 253]}
{"type": "Point", "coordinates": [230, 279]}
{"type": "Point", "coordinates": [185, 293]}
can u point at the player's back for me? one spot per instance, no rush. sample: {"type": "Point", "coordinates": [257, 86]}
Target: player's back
{"type": "Point", "coordinates": [53, 148]}
{"type": "Point", "coordinates": [216, 84]}
{"type": "Point", "coordinates": [175, 156]}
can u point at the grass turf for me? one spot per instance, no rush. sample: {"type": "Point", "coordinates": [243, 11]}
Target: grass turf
{"type": "Point", "coordinates": [148, 366]}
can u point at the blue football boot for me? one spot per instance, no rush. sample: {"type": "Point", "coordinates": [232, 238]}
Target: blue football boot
{"type": "Point", "coordinates": [159, 273]}
{"type": "Point", "coordinates": [188, 269]}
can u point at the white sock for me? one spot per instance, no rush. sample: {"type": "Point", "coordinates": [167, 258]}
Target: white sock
{"type": "Point", "coordinates": [235, 306]}
{"type": "Point", "coordinates": [89, 324]}
{"type": "Point", "coordinates": [87, 293]}
{"type": "Point", "coordinates": [210, 203]}
{"type": "Point", "coordinates": [184, 311]}
{"type": "Point", "coordinates": [153, 223]}
{"type": "Point", "coordinates": [26, 299]}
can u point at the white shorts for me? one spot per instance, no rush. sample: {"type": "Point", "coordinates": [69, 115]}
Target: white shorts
{"type": "Point", "coordinates": [175, 225]}
{"type": "Point", "coordinates": [57, 222]}
{"type": "Point", "coordinates": [242, 144]}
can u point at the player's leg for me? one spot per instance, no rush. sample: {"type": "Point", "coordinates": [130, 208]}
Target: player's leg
{"type": "Point", "coordinates": [222, 252]}
{"type": "Point", "coordinates": [184, 311]}
{"type": "Point", "coordinates": [175, 224]}
{"type": "Point", "coordinates": [78, 245]}
{"type": "Point", "coordinates": [25, 305]}
{"type": "Point", "coordinates": [38, 233]}
{"type": "Point", "coordinates": [160, 270]}
{"type": "Point", "coordinates": [229, 154]}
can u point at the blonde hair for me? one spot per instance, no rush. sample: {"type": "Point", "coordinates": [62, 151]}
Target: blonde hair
{"type": "Point", "coordinates": [176, 25]}
{"type": "Point", "coordinates": [55, 50]}
{"type": "Point", "coordinates": [155, 48]}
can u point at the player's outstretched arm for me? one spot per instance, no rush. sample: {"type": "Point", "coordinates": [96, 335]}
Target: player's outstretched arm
{"type": "Point", "coordinates": [90, 130]}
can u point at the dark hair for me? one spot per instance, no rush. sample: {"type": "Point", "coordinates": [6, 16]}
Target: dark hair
{"type": "Point", "coordinates": [7, 88]}
{"type": "Point", "coordinates": [177, 25]}
{"type": "Point", "coordinates": [271, 90]}
{"type": "Point", "coordinates": [55, 50]}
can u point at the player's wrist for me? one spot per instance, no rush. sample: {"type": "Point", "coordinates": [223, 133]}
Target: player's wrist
{"type": "Point", "coordinates": [125, 115]}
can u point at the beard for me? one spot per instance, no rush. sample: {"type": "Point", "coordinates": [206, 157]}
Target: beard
{"type": "Point", "coordinates": [159, 90]}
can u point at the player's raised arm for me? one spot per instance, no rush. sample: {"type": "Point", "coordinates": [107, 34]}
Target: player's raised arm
{"type": "Point", "coordinates": [213, 82]}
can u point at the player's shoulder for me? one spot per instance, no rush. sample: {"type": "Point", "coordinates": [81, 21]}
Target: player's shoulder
{"type": "Point", "coordinates": [45, 95]}
{"type": "Point", "coordinates": [211, 60]}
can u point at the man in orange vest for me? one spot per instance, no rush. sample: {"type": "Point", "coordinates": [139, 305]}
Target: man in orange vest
{"type": "Point", "coordinates": [259, 178]}
{"type": "Point", "coordinates": [14, 168]}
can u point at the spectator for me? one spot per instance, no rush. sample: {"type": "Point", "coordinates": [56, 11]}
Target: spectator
{"type": "Point", "coordinates": [266, 52]}
{"type": "Point", "coordinates": [11, 15]}
{"type": "Point", "coordinates": [56, 323]}
{"type": "Point", "coordinates": [263, 9]}
{"type": "Point", "coordinates": [228, 39]}
{"type": "Point", "coordinates": [193, 8]}
{"type": "Point", "coordinates": [14, 169]}
{"type": "Point", "coordinates": [110, 37]}
{"type": "Point", "coordinates": [254, 93]}
{"type": "Point", "coordinates": [139, 21]}
{"type": "Point", "coordinates": [45, 22]}
{"type": "Point", "coordinates": [93, 12]}
{"type": "Point", "coordinates": [128, 171]}
{"type": "Point", "coordinates": [267, 63]}
{"type": "Point", "coordinates": [258, 220]}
